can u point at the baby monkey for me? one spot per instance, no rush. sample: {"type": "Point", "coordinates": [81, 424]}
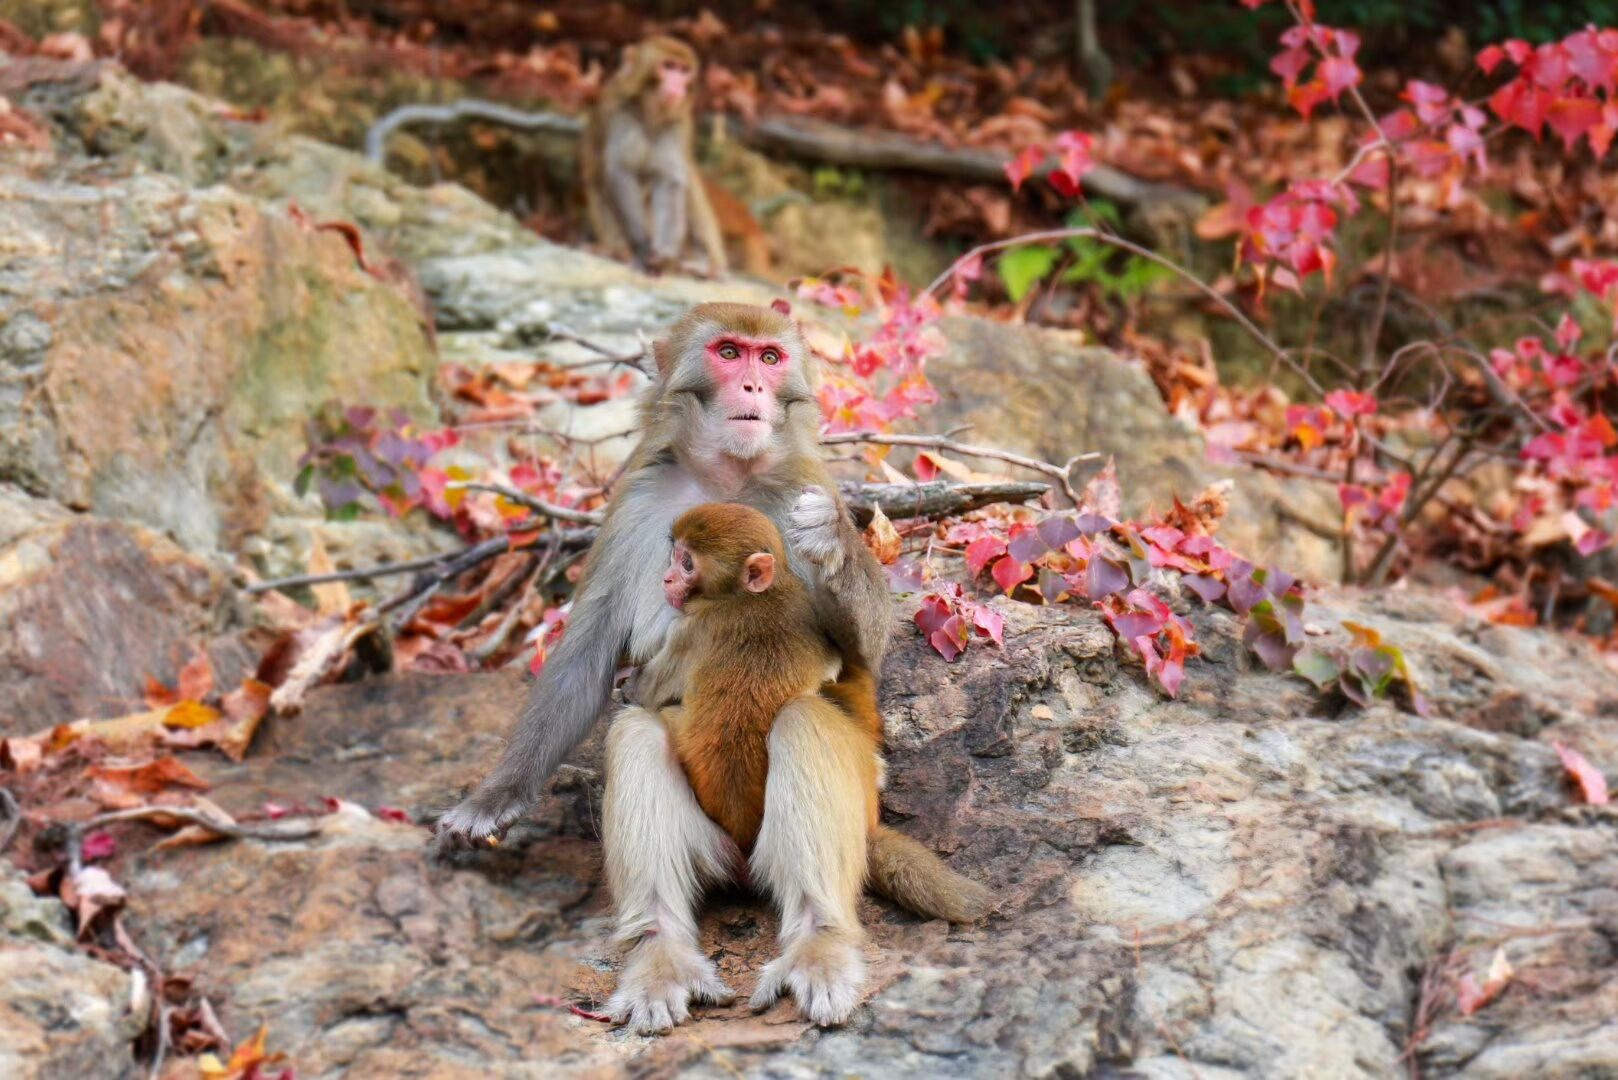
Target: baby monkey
{"type": "Point", "coordinates": [779, 767]}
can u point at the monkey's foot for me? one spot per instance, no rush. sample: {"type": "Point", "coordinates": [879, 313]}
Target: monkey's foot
{"type": "Point", "coordinates": [824, 972]}
{"type": "Point", "coordinates": [479, 821]}
{"type": "Point", "coordinates": [659, 981]}
{"type": "Point", "coordinates": [812, 529]}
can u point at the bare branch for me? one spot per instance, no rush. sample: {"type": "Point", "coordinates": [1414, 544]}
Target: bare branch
{"type": "Point", "coordinates": [231, 830]}
{"type": "Point", "coordinates": [1060, 473]}
{"type": "Point", "coordinates": [10, 818]}
{"type": "Point", "coordinates": [537, 505]}
{"type": "Point", "coordinates": [935, 499]}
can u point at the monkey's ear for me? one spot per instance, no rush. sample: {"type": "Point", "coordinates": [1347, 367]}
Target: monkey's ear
{"type": "Point", "coordinates": [663, 353]}
{"type": "Point", "coordinates": [780, 306]}
{"type": "Point", "coordinates": [758, 572]}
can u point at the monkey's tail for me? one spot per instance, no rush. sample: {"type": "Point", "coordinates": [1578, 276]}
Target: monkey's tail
{"type": "Point", "coordinates": [904, 871]}
{"type": "Point", "coordinates": [855, 693]}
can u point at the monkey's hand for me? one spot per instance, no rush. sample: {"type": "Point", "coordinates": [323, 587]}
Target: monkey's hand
{"type": "Point", "coordinates": [480, 821]}
{"type": "Point", "coordinates": [815, 529]}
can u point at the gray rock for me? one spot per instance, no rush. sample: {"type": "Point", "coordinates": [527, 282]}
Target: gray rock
{"type": "Point", "coordinates": [61, 1012]}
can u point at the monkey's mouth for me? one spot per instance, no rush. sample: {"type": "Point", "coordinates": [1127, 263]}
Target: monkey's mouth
{"type": "Point", "coordinates": [752, 416]}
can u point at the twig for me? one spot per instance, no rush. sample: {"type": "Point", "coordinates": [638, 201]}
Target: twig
{"type": "Point", "coordinates": [537, 505]}
{"type": "Point", "coordinates": [164, 1009]}
{"type": "Point", "coordinates": [636, 359]}
{"type": "Point", "coordinates": [466, 558]}
{"type": "Point", "coordinates": [376, 139]}
{"type": "Point", "coordinates": [934, 499]}
{"type": "Point", "coordinates": [229, 829]}
{"type": "Point", "coordinates": [1113, 240]}
{"type": "Point", "coordinates": [10, 818]}
{"type": "Point", "coordinates": [1060, 473]}
{"type": "Point", "coordinates": [444, 567]}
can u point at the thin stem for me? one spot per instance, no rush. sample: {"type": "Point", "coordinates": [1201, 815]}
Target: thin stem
{"type": "Point", "coordinates": [1086, 232]}
{"type": "Point", "coordinates": [1061, 473]}
{"type": "Point", "coordinates": [532, 502]}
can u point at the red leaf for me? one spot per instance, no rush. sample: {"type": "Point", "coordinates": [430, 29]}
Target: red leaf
{"type": "Point", "coordinates": [98, 845]}
{"type": "Point", "coordinates": [1351, 403]}
{"type": "Point", "coordinates": [1008, 573]}
{"type": "Point", "coordinates": [982, 551]}
{"type": "Point", "coordinates": [1591, 784]}
{"type": "Point", "coordinates": [393, 813]}
{"type": "Point", "coordinates": [1489, 58]}
{"type": "Point", "coordinates": [1021, 167]}
{"type": "Point", "coordinates": [1570, 118]}
{"type": "Point", "coordinates": [950, 639]}
{"type": "Point", "coordinates": [1338, 75]}
{"type": "Point", "coordinates": [991, 624]}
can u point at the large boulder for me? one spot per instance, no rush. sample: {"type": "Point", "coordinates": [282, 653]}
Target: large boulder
{"type": "Point", "coordinates": [163, 346]}
{"type": "Point", "coordinates": [1045, 394]}
{"type": "Point", "coordinates": [1243, 882]}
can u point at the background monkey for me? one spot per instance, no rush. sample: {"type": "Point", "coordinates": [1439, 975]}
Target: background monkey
{"type": "Point", "coordinates": [756, 762]}
{"type": "Point", "coordinates": [732, 415]}
{"type": "Point", "coordinates": [642, 190]}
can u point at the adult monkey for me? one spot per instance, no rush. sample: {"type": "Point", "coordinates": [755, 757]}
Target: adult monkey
{"type": "Point", "coordinates": [731, 417]}
{"type": "Point", "coordinates": [642, 190]}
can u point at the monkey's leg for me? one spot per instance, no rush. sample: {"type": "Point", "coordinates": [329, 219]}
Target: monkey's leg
{"type": "Point", "coordinates": [811, 855]}
{"type": "Point", "coordinates": [661, 848]}
{"type": "Point", "coordinates": [668, 220]}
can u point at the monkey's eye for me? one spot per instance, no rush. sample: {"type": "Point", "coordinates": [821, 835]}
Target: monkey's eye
{"type": "Point", "coordinates": [771, 356]}
{"type": "Point", "coordinates": [728, 351]}
{"type": "Point", "coordinates": [686, 562]}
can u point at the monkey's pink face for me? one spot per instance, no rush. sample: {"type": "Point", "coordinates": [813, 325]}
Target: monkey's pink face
{"type": "Point", "coordinates": [673, 79]}
{"type": "Point", "coordinates": [681, 577]}
{"type": "Point", "coordinates": [749, 373]}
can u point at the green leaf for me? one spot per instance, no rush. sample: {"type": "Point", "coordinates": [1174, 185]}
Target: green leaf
{"type": "Point", "coordinates": [306, 476]}
{"type": "Point", "coordinates": [1021, 268]}
{"type": "Point", "coordinates": [1316, 666]}
{"type": "Point", "coordinates": [346, 512]}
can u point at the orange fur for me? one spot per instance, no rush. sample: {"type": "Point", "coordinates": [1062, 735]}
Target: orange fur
{"type": "Point", "coordinates": [752, 653]}
{"type": "Point", "coordinates": [749, 655]}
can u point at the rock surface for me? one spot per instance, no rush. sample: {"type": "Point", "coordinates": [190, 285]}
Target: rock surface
{"type": "Point", "coordinates": [70, 579]}
{"type": "Point", "coordinates": [61, 1012]}
{"type": "Point", "coordinates": [1239, 883]}
{"type": "Point", "coordinates": [161, 344]}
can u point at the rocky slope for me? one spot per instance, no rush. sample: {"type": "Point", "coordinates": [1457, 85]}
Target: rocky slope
{"type": "Point", "coordinates": [1243, 882]}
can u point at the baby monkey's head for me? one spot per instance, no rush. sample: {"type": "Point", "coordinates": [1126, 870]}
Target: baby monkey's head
{"type": "Point", "coordinates": [722, 549]}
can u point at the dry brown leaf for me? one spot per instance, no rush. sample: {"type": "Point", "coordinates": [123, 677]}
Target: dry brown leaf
{"type": "Point", "coordinates": [90, 893]}
{"type": "Point", "coordinates": [331, 598]}
{"type": "Point", "coordinates": [326, 647]}
{"type": "Point", "coordinates": [120, 783]}
{"type": "Point", "coordinates": [883, 539]}
{"type": "Point", "coordinates": [193, 834]}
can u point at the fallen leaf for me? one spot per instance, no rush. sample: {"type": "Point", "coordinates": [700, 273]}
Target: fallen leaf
{"type": "Point", "coordinates": [332, 597]}
{"type": "Point", "coordinates": [189, 714]}
{"type": "Point", "coordinates": [1470, 997]}
{"type": "Point", "coordinates": [883, 539]}
{"type": "Point", "coordinates": [117, 785]}
{"type": "Point", "coordinates": [1591, 783]}
{"type": "Point", "coordinates": [90, 893]}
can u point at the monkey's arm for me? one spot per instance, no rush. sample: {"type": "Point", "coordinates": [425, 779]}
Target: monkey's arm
{"type": "Point", "coordinates": [572, 690]}
{"type": "Point", "coordinates": [853, 601]}
{"type": "Point", "coordinates": [597, 199]}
